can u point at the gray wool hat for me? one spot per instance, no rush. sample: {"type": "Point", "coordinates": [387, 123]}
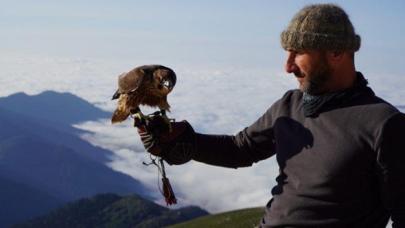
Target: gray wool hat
{"type": "Point", "coordinates": [320, 27]}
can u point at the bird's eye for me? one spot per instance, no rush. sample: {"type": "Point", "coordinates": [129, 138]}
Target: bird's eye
{"type": "Point", "coordinates": [166, 83]}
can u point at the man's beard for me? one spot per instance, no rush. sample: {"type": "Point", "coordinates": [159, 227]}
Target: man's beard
{"type": "Point", "coordinates": [317, 79]}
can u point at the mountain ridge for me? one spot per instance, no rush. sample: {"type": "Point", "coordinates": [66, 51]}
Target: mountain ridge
{"type": "Point", "coordinates": [111, 210]}
{"type": "Point", "coordinates": [43, 155]}
{"type": "Point", "coordinates": [53, 106]}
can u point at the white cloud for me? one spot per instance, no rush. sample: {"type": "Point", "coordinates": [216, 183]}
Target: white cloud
{"type": "Point", "coordinates": [214, 188]}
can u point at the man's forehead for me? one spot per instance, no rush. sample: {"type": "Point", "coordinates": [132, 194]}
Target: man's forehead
{"type": "Point", "coordinates": [303, 51]}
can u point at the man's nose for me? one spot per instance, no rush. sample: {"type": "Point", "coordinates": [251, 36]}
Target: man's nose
{"type": "Point", "coordinates": [290, 66]}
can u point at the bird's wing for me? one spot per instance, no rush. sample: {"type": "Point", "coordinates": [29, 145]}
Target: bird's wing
{"type": "Point", "coordinates": [131, 81]}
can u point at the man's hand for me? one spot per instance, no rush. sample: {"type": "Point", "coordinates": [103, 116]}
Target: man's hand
{"type": "Point", "coordinates": [176, 146]}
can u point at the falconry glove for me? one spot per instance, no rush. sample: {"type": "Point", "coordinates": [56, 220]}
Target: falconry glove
{"type": "Point", "coordinates": [176, 146]}
{"type": "Point", "coordinates": [147, 140]}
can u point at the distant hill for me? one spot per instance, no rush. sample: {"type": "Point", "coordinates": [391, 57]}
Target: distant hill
{"type": "Point", "coordinates": [48, 161]}
{"type": "Point", "coordinates": [59, 171]}
{"type": "Point", "coordinates": [52, 106]}
{"type": "Point", "coordinates": [245, 218]}
{"type": "Point", "coordinates": [51, 115]}
{"type": "Point", "coordinates": [110, 210]}
{"type": "Point", "coordinates": [23, 199]}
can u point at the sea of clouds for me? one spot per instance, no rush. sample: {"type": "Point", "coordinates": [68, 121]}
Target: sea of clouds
{"type": "Point", "coordinates": [214, 99]}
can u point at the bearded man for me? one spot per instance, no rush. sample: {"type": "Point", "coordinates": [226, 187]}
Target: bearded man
{"type": "Point", "coordinates": [340, 148]}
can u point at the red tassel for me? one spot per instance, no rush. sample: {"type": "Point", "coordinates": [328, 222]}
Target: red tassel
{"type": "Point", "coordinates": [168, 192]}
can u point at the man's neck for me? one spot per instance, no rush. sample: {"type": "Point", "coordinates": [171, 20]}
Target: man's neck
{"type": "Point", "coordinates": [341, 80]}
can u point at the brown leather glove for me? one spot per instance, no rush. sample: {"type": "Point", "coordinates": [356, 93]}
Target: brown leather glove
{"type": "Point", "coordinates": [175, 147]}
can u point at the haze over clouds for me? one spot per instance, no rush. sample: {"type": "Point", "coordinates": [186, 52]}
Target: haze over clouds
{"type": "Point", "coordinates": [229, 67]}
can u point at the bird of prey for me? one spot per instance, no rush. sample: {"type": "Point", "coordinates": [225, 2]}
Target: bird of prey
{"type": "Point", "coordinates": [144, 85]}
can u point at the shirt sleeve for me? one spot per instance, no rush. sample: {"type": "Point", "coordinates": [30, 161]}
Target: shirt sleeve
{"type": "Point", "coordinates": [391, 161]}
{"type": "Point", "coordinates": [250, 145]}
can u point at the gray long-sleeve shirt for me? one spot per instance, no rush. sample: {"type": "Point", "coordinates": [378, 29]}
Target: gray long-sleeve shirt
{"type": "Point", "coordinates": [344, 167]}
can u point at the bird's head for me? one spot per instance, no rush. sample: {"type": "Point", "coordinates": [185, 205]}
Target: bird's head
{"type": "Point", "coordinates": [164, 79]}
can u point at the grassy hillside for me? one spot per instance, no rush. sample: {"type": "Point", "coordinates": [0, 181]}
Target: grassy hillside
{"type": "Point", "coordinates": [236, 219]}
{"type": "Point", "coordinates": [110, 210]}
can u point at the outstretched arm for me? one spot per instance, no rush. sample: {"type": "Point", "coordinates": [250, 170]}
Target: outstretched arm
{"type": "Point", "coordinates": [232, 151]}
{"type": "Point", "coordinates": [182, 144]}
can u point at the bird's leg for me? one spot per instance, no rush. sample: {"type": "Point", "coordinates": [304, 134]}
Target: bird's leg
{"type": "Point", "coordinates": [138, 116]}
{"type": "Point", "coordinates": [167, 120]}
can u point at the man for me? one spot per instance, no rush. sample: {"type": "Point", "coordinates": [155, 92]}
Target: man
{"type": "Point", "coordinates": [340, 148]}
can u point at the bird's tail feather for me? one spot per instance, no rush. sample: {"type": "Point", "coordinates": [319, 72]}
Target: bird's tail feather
{"type": "Point", "coordinates": [119, 116]}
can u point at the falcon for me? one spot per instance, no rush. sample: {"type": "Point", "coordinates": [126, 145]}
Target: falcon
{"type": "Point", "coordinates": [144, 85]}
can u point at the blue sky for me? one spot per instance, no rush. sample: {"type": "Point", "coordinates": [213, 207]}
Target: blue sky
{"type": "Point", "coordinates": [210, 32]}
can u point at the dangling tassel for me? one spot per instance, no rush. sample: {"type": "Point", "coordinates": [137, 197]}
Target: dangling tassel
{"type": "Point", "coordinates": [167, 187]}
{"type": "Point", "coordinates": [168, 192]}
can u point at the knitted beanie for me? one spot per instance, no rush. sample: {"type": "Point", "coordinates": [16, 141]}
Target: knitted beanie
{"type": "Point", "coordinates": [320, 27]}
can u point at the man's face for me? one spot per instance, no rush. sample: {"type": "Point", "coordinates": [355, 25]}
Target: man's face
{"type": "Point", "coordinates": [311, 69]}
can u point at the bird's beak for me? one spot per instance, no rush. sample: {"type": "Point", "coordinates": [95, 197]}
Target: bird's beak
{"type": "Point", "coordinates": [116, 95]}
{"type": "Point", "coordinates": [168, 82]}
{"type": "Point", "coordinates": [172, 80]}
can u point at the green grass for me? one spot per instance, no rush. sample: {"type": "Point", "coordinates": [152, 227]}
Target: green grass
{"type": "Point", "coordinates": [235, 219]}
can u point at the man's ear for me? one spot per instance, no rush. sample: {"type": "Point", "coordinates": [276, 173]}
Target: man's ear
{"type": "Point", "coordinates": [335, 57]}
